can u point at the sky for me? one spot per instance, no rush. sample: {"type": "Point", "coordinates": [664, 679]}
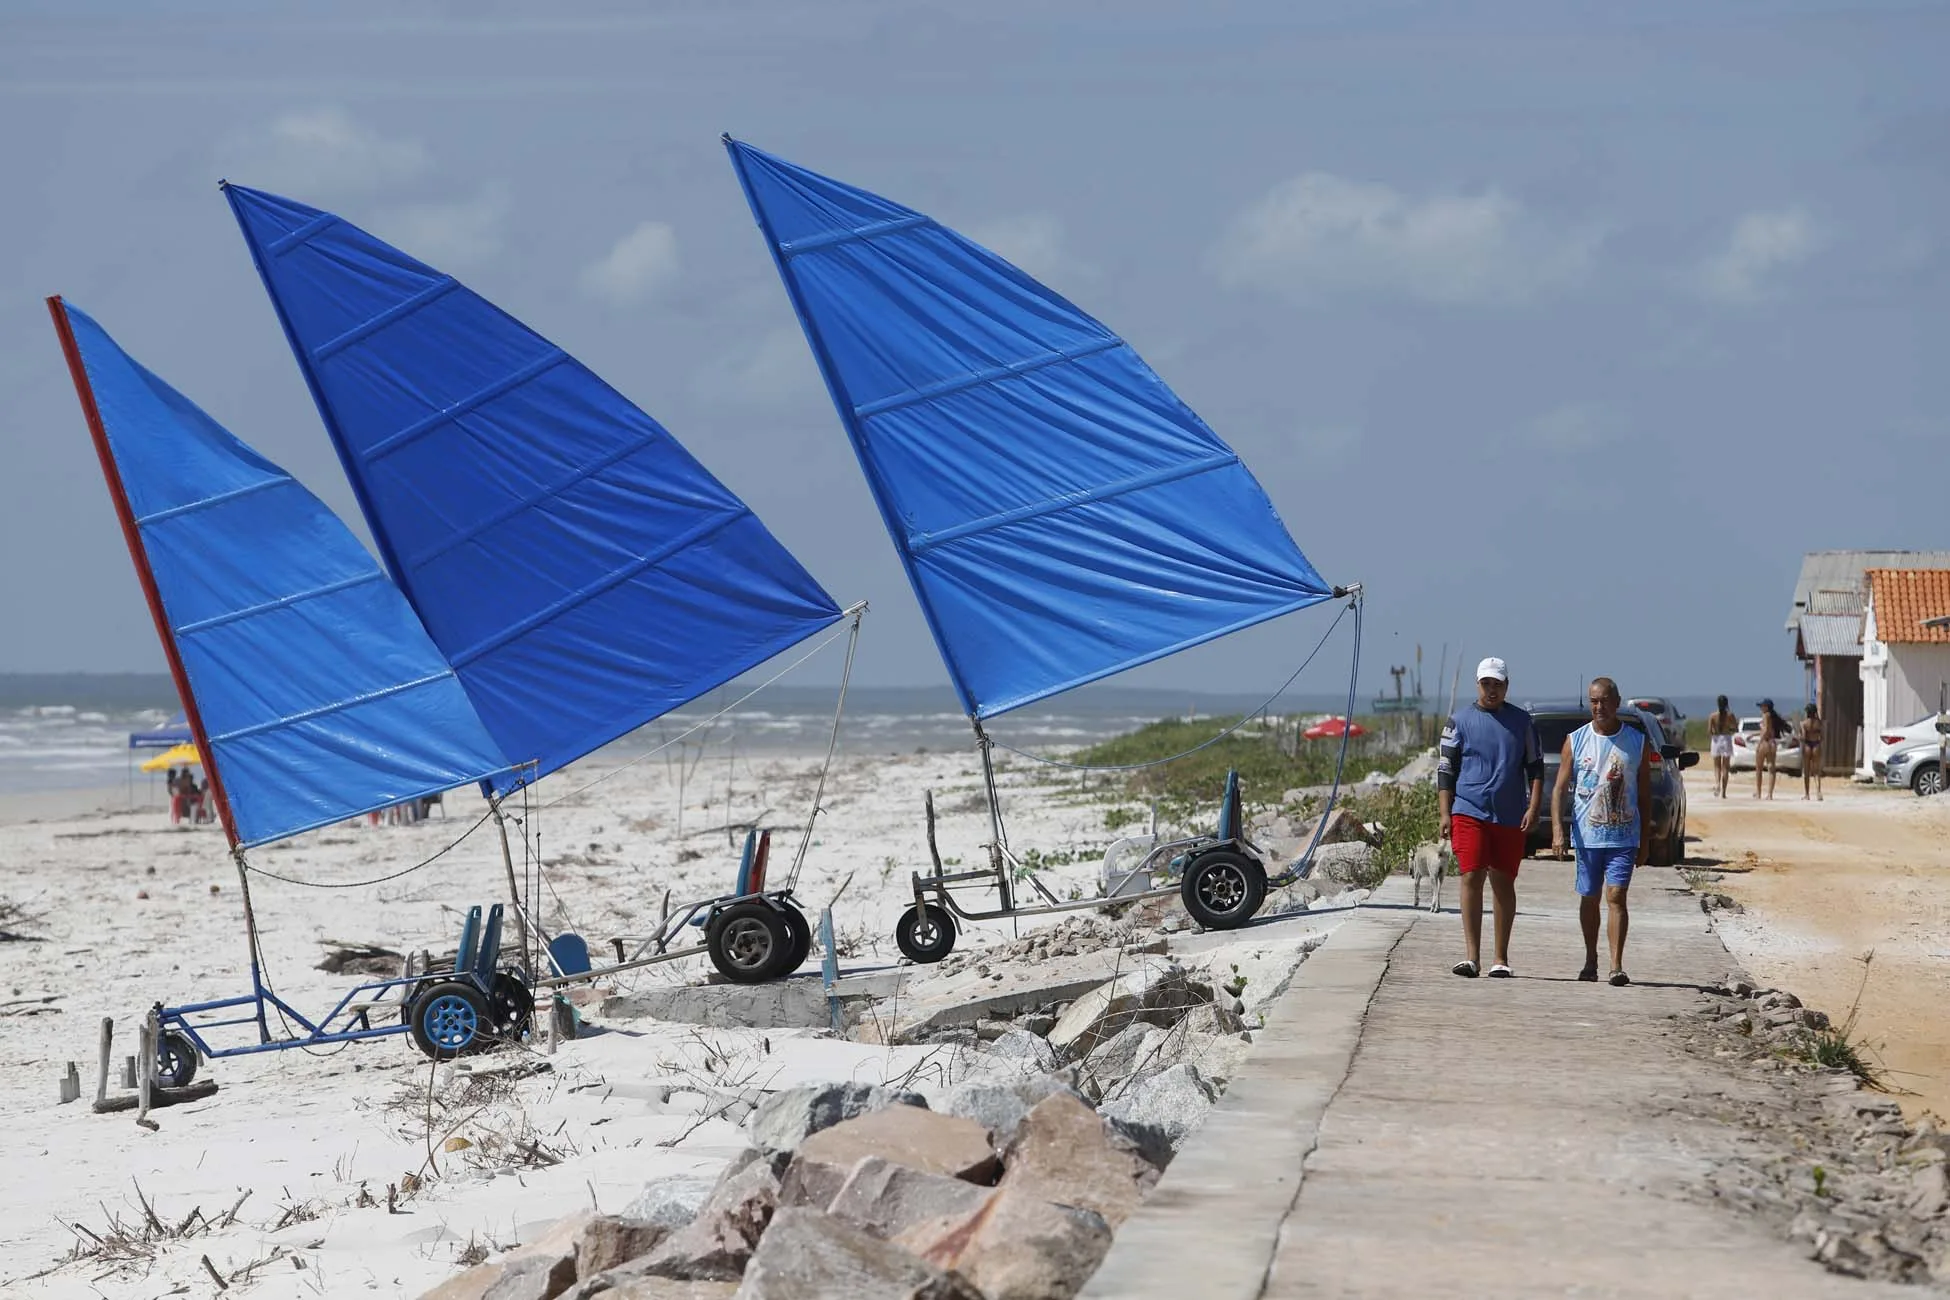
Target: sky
{"type": "Point", "coordinates": [1565, 329]}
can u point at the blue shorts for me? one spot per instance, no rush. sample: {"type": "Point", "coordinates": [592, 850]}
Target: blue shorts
{"type": "Point", "coordinates": [1605, 867]}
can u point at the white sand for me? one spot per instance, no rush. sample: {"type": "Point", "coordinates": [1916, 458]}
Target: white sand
{"type": "Point", "coordinates": [311, 1130]}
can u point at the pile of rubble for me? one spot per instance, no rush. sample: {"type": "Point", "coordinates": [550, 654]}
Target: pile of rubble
{"type": "Point", "coordinates": [1070, 938]}
{"type": "Point", "coordinates": [1836, 1165]}
{"type": "Point", "coordinates": [1011, 1192]}
{"type": "Point", "coordinates": [1009, 1189]}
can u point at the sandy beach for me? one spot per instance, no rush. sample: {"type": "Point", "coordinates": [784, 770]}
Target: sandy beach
{"type": "Point", "coordinates": [125, 910]}
{"type": "Point", "coordinates": [1824, 883]}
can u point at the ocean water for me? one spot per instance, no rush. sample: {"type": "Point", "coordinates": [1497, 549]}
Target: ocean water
{"type": "Point", "coordinates": [70, 732]}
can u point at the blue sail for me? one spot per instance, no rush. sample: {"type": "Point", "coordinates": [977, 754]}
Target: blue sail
{"type": "Point", "coordinates": [319, 692]}
{"type": "Point", "coordinates": [1062, 514]}
{"type": "Point", "coordinates": [580, 570]}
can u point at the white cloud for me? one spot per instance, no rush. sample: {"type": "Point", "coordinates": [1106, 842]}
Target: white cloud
{"type": "Point", "coordinates": [1031, 241]}
{"type": "Point", "coordinates": [1763, 243]}
{"type": "Point", "coordinates": [1319, 233]}
{"type": "Point", "coordinates": [453, 233]}
{"type": "Point", "coordinates": [322, 152]}
{"type": "Point", "coordinates": [777, 370]}
{"type": "Point", "coordinates": [1573, 427]}
{"type": "Point", "coordinates": [642, 261]}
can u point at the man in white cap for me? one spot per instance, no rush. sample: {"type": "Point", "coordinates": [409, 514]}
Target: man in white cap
{"type": "Point", "coordinates": [1489, 786]}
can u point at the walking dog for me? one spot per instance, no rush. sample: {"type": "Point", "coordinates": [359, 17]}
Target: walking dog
{"type": "Point", "coordinates": [1431, 861]}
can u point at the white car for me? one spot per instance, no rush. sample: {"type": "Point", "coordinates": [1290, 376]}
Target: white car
{"type": "Point", "coordinates": [1787, 750]}
{"type": "Point", "coordinates": [1891, 739]}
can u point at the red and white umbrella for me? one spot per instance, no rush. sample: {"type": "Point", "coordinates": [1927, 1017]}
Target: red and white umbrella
{"type": "Point", "coordinates": [1334, 728]}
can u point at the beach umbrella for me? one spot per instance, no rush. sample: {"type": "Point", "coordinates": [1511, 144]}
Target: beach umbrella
{"type": "Point", "coordinates": [1334, 728]}
{"type": "Point", "coordinates": [180, 756]}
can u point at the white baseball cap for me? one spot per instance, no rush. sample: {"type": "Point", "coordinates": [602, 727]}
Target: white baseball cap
{"type": "Point", "coordinates": [1494, 669]}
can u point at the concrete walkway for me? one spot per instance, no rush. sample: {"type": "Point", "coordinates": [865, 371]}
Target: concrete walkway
{"type": "Point", "coordinates": [1399, 1131]}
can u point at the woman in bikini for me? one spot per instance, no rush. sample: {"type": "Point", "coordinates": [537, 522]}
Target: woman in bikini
{"type": "Point", "coordinates": [1810, 730]}
{"type": "Point", "coordinates": [1766, 743]}
{"type": "Point", "coordinates": [1720, 729]}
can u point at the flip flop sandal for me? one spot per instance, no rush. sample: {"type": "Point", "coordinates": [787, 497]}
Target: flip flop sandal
{"type": "Point", "coordinates": [1500, 972]}
{"type": "Point", "coordinates": [1619, 979]}
{"type": "Point", "coordinates": [1465, 968]}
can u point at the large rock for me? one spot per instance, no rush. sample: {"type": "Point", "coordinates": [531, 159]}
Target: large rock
{"type": "Point", "coordinates": [1166, 1107]}
{"type": "Point", "coordinates": [540, 1270]}
{"type": "Point", "coordinates": [1000, 1107]}
{"type": "Point", "coordinates": [809, 1256]}
{"type": "Point", "coordinates": [1343, 827]}
{"type": "Point", "coordinates": [1064, 1154]}
{"type": "Point", "coordinates": [715, 1245]}
{"type": "Point", "coordinates": [1344, 863]}
{"type": "Point", "coordinates": [671, 1202]}
{"type": "Point", "coordinates": [611, 1239]}
{"type": "Point", "coordinates": [886, 1199]}
{"type": "Point", "coordinates": [785, 1119]}
{"type": "Point", "coordinates": [618, 1286]}
{"type": "Point", "coordinates": [1015, 1247]}
{"type": "Point", "coordinates": [920, 1139]}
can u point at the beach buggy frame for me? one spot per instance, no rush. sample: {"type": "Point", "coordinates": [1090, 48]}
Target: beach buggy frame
{"type": "Point", "coordinates": [447, 1012]}
{"type": "Point", "coordinates": [1221, 877]}
{"type": "Point", "coordinates": [752, 934]}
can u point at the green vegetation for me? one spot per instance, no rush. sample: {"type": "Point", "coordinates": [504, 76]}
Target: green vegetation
{"type": "Point", "coordinates": [1270, 760]}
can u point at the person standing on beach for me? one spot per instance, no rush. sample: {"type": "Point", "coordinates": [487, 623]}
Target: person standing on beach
{"type": "Point", "coordinates": [1721, 728]}
{"type": "Point", "coordinates": [1489, 783]}
{"type": "Point", "coordinates": [1767, 746]}
{"type": "Point", "coordinates": [1604, 768]}
{"type": "Point", "coordinates": [1810, 732]}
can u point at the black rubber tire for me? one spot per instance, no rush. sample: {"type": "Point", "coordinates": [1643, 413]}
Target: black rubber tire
{"type": "Point", "coordinates": [1222, 889]}
{"type": "Point", "coordinates": [175, 1060]}
{"type": "Point", "coordinates": [925, 934]}
{"type": "Point", "coordinates": [802, 940]}
{"type": "Point", "coordinates": [450, 1019]}
{"type": "Point", "coordinates": [1927, 780]}
{"type": "Point", "coordinates": [750, 942]}
{"type": "Point", "coordinates": [511, 1005]}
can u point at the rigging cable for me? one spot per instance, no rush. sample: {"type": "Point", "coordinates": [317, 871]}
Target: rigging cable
{"type": "Point", "coordinates": [1303, 866]}
{"type": "Point", "coordinates": [832, 746]}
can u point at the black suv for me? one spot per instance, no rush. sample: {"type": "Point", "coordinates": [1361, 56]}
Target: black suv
{"type": "Point", "coordinates": [1665, 822]}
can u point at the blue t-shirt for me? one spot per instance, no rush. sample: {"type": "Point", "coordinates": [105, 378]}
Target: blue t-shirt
{"type": "Point", "coordinates": [1605, 787]}
{"type": "Point", "coordinates": [1489, 758]}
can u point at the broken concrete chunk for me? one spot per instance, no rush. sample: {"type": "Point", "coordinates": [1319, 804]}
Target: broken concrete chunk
{"type": "Point", "coordinates": [1015, 1246]}
{"type": "Point", "coordinates": [935, 1144]}
{"type": "Point", "coordinates": [1134, 1047]}
{"type": "Point", "coordinates": [1151, 985]}
{"type": "Point", "coordinates": [1344, 863]}
{"type": "Point", "coordinates": [886, 1198]}
{"type": "Point", "coordinates": [1064, 1154]}
{"type": "Point", "coordinates": [808, 1254]}
{"type": "Point", "coordinates": [1032, 1053]}
{"type": "Point", "coordinates": [785, 1119]}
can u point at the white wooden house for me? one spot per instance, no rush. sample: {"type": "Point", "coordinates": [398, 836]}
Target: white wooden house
{"type": "Point", "coordinates": [1905, 646]}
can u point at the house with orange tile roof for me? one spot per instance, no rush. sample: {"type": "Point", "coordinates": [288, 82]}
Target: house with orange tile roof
{"type": "Point", "coordinates": [1905, 646]}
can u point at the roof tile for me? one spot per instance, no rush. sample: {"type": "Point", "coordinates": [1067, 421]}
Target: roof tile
{"type": "Point", "coordinates": [1904, 598]}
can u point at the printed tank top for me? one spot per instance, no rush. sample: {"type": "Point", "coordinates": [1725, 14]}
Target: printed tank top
{"type": "Point", "coordinates": [1605, 788]}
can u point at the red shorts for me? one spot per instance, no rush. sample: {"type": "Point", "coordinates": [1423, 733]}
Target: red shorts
{"type": "Point", "coordinates": [1481, 844]}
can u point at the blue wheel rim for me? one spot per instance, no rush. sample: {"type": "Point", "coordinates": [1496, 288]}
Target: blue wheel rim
{"type": "Point", "coordinates": [450, 1021]}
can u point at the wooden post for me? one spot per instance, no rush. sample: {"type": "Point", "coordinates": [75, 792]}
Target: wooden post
{"type": "Point", "coordinates": [128, 1071]}
{"type": "Point", "coordinates": [145, 1065]}
{"type": "Point", "coordinates": [829, 970]}
{"type": "Point", "coordinates": [71, 1085]}
{"type": "Point", "coordinates": [108, 1045]}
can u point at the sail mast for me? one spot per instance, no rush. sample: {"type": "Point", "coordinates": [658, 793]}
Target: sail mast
{"type": "Point", "coordinates": [139, 554]}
